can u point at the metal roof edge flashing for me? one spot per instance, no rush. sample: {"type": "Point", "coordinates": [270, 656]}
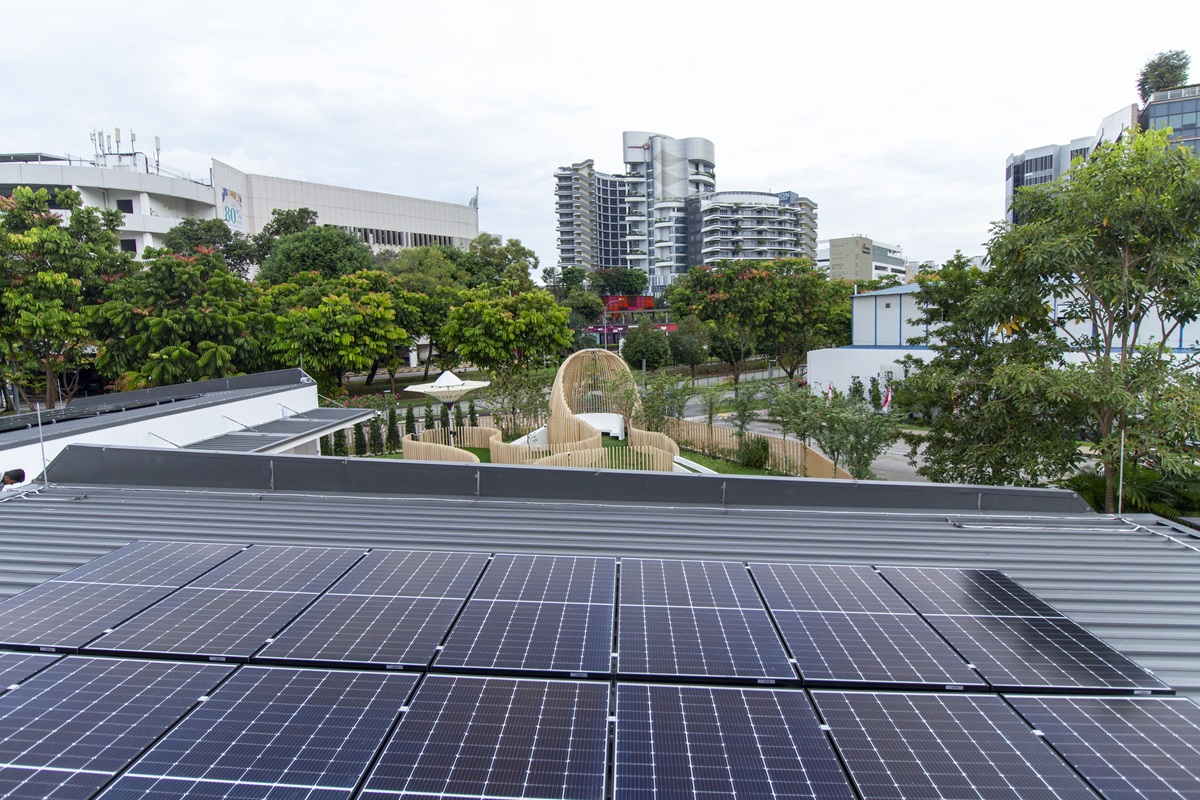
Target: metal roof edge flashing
{"type": "Point", "coordinates": [325, 475]}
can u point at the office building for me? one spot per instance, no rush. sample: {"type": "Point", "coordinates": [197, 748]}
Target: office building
{"type": "Point", "coordinates": [860, 258]}
{"type": "Point", "coordinates": [155, 198]}
{"type": "Point", "coordinates": [1040, 165]}
{"type": "Point", "coordinates": [664, 215]}
{"type": "Point", "coordinates": [1177, 109]}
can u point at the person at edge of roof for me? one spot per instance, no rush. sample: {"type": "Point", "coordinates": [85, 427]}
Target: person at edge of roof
{"type": "Point", "coordinates": [12, 478]}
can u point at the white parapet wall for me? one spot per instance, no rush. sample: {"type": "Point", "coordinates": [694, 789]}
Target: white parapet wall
{"type": "Point", "coordinates": [837, 366]}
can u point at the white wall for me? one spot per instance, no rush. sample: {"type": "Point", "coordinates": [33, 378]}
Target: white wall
{"type": "Point", "coordinates": [838, 365]}
{"type": "Point", "coordinates": [181, 428]}
{"type": "Point", "coordinates": [883, 320]}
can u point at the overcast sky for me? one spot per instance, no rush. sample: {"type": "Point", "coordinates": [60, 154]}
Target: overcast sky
{"type": "Point", "coordinates": [895, 118]}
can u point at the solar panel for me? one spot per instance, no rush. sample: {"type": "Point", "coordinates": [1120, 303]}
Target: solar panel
{"type": "Point", "coordinates": [281, 569]}
{"type": "Point", "coordinates": [208, 623]}
{"type": "Point", "coordinates": [696, 584]}
{"type": "Point", "coordinates": [883, 650]}
{"type": "Point", "coordinates": [549, 579]}
{"type": "Point", "coordinates": [356, 630]}
{"type": "Point", "coordinates": [943, 746]}
{"type": "Point", "coordinates": [68, 730]}
{"type": "Point", "coordinates": [470, 737]}
{"type": "Point", "coordinates": [1037, 653]}
{"type": "Point", "coordinates": [1125, 747]}
{"type": "Point", "coordinates": [62, 617]}
{"type": "Point", "coordinates": [826, 587]}
{"type": "Point", "coordinates": [16, 667]}
{"type": "Point", "coordinates": [698, 741]}
{"type": "Point", "coordinates": [711, 642]}
{"type": "Point", "coordinates": [153, 563]}
{"type": "Point", "coordinates": [514, 635]}
{"type": "Point", "coordinates": [408, 573]}
{"type": "Point", "coordinates": [977, 592]}
{"type": "Point", "coordinates": [310, 731]}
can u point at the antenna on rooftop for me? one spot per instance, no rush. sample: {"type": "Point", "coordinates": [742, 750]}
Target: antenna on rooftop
{"type": "Point", "coordinates": [157, 151]}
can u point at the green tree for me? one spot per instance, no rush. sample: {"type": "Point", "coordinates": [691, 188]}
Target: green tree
{"type": "Point", "coordinates": [330, 251]}
{"type": "Point", "coordinates": [518, 401]}
{"type": "Point", "coordinates": [552, 280]}
{"type": "Point", "coordinates": [852, 435]}
{"type": "Point", "coordinates": [745, 403]}
{"type": "Point", "coordinates": [805, 311]}
{"type": "Point", "coordinates": [506, 332]}
{"type": "Point", "coordinates": [472, 413]}
{"type": "Point", "coordinates": [283, 222]}
{"type": "Point", "coordinates": [494, 261]}
{"type": "Point", "coordinates": [393, 428]}
{"type": "Point", "coordinates": [732, 297]}
{"type": "Point", "coordinates": [689, 343]}
{"type": "Point", "coordinates": [427, 269]}
{"type": "Point", "coordinates": [339, 443]}
{"type": "Point", "coordinates": [1113, 245]}
{"type": "Point", "coordinates": [1163, 71]}
{"type": "Point", "coordinates": [429, 420]}
{"type": "Point", "coordinates": [360, 440]}
{"type": "Point", "coordinates": [618, 280]}
{"type": "Point", "coordinates": [334, 327]}
{"type": "Point", "coordinates": [51, 275]}
{"type": "Point", "coordinates": [645, 343]}
{"type": "Point", "coordinates": [410, 421]}
{"type": "Point", "coordinates": [375, 435]}
{"type": "Point", "coordinates": [982, 429]}
{"type": "Point", "coordinates": [855, 392]}
{"type": "Point", "coordinates": [235, 248]}
{"type": "Point", "coordinates": [663, 399]}
{"type": "Point", "coordinates": [876, 395]}
{"type": "Point", "coordinates": [587, 308]}
{"type": "Point", "coordinates": [183, 318]}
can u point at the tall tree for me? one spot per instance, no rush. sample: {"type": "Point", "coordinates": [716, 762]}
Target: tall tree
{"type": "Point", "coordinates": [689, 343]}
{"type": "Point", "coordinates": [51, 275]}
{"type": "Point", "coordinates": [427, 269]}
{"type": "Point", "coordinates": [183, 318]}
{"type": "Point", "coordinates": [618, 280]}
{"type": "Point", "coordinates": [494, 261]}
{"type": "Point", "coordinates": [325, 249]}
{"type": "Point", "coordinates": [1163, 71]}
{"type": "Point", "coordinates": [645, 343]}
{"type": "Point", "coordinates": [235, 248]}
{"type": "Point", "coordinates": [504, 330]}
{"type": "Point", "coordinates": [984, 430]}
{"type": "Point", "coordinates": [1115, 246]}
{"type": "Point", "coordinates": [806, 312]}
{"type": "Point", "coordinates": [733, 297]}
{"type": "Point", "coordinates": [283, 222]}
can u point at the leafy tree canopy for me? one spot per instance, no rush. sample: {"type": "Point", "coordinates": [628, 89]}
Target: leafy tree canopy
{"type": "Point", "coordinates": [505, 330]}
{"type": "Point", "coordinates": [494, 261]}
{"type": "Point", "coordinates": [618, 280]}
{"type": "Point", "coordinates": [283, 222]}
{"type": "Point", "coordinates": [1163, 71]}
{"type": "Point", "coordinates": [237, 250]}
{"type": "Point", "coordinates": [587, 307]}
{"type": "Point", "coordinates": [51, 276]}
{"type": "Point", "coordinates": [427, 269]}
{"type": "Point", "coordinates": [325, 249]}
{"type": "Point", "coordinates": [646, 343]}
{"type": "Point", "coordinates": [689, 343]}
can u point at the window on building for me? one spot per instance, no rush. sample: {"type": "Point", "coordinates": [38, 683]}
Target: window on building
{"type": "Point", "coordinates": [129, 245]}
{"type": "Point", "coordinates": [125, 206]}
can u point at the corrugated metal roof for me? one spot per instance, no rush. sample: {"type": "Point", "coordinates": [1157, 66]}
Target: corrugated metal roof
{"type": "Point", "coordinates": [1134, 582]}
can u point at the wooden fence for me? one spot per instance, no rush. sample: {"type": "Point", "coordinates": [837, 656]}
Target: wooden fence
{"type": "Point", "coordinates": [637, 458]}
{"type": "Point", "coordinates": [787, 456]}
{"type": "Point", "coordinates": [431, 451]}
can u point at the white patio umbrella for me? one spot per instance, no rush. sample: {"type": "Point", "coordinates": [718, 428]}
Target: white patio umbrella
{"type": "Point", "coordinates": [448, 388]}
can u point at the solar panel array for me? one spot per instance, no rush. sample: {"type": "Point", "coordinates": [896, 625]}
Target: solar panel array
{"type": "Point", "coordinates": [399, 674]}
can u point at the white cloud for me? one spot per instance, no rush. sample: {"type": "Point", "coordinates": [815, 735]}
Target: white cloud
{"type": "Point", "coordinates": [895, 118]}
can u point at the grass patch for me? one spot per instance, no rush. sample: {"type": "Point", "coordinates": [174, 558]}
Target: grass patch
{"type": "Point", "coordinates": [721, 465]}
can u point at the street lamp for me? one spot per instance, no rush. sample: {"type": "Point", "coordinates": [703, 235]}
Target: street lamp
{"type": "Point", "coordinates": [448, 388]}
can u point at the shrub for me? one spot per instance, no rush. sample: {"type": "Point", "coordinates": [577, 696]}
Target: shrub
{"type": "Point", "coordinates": [393, 430]}
{"type": "Point", "coordinates": [754, 452]}
{"type": "Point", "coordinates": [360, 440]}
{"type": "Point", "coordinates": [339, 443]}
{"type": "Point", "coordinates": [375, 435]}
{"type": "Point", "coordinates": [410, 421]}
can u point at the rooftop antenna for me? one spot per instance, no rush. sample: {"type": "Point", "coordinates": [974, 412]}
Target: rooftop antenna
{"type": "Point", "coordinates": [157, 151]}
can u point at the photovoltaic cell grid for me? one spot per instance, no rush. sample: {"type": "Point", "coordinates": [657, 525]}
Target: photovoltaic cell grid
{"type": "Point", "coordinates": [67, 612]}
{"type": "Point", "coordinates": [275, 731]}
{"type": "Point", "coordinates": [1145, 748]}
{"type": "Point", "coordinates": [537, 613]}
{"type": "Point", "coordinates": [847, 625]}
{"type": "Point", "coordinates": [392, 609]}
{"type": "Point", "coordinates": [470, 737]}
{"type": "Point", "coordinates": [972, 592]}
{"type": "Point", "coordinates": [695, 618]}
{"type": "Point", "coordinates": [943, 746]}
{"type": "Point", "coordinates": [699, 741]}
{"type": "Point", "coordinates": [152, 564]}
{"type": "Point", "coordinates": [16, 667]}
{"type": "Point", "coordinates": [233, 610]}
{"type": "Point", "coordinates": [65, 732]}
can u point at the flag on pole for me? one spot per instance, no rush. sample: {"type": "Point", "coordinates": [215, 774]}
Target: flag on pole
{"type": "Point", "coordinates": [829, 395]}
{"type": "Point", "coordinates": [887, 401]}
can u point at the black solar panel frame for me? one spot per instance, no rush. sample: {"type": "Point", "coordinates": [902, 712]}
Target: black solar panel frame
{"type": "Point", "coordinates": [1154, 753]}
{"type": "Point", "coordinates": [424, 722]}
{"type": "Point", "coordinates": [826, 587]}
{"type": "Point", "coordinates": [243, 727]}
{"type": "Point", "coordinates": [91, 730]}
{"type": "Point", "coordinates": [741, 754]}
{"type": "Point", "coordinates": [1001, 649]}
{"type": "Point", "coordinates": [904, 747]}
{"type": "Point", "coordinates": [835, 649]}
{"type": "Point", "coordinates": [167, 619]}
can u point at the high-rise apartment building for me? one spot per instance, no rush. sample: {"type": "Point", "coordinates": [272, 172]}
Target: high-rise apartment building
{"type": "Point", "coordinates": [664, 215]}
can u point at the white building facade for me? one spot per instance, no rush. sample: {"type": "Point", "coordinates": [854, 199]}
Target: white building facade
{"type": "Point", "coordinates": [154, 199]}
